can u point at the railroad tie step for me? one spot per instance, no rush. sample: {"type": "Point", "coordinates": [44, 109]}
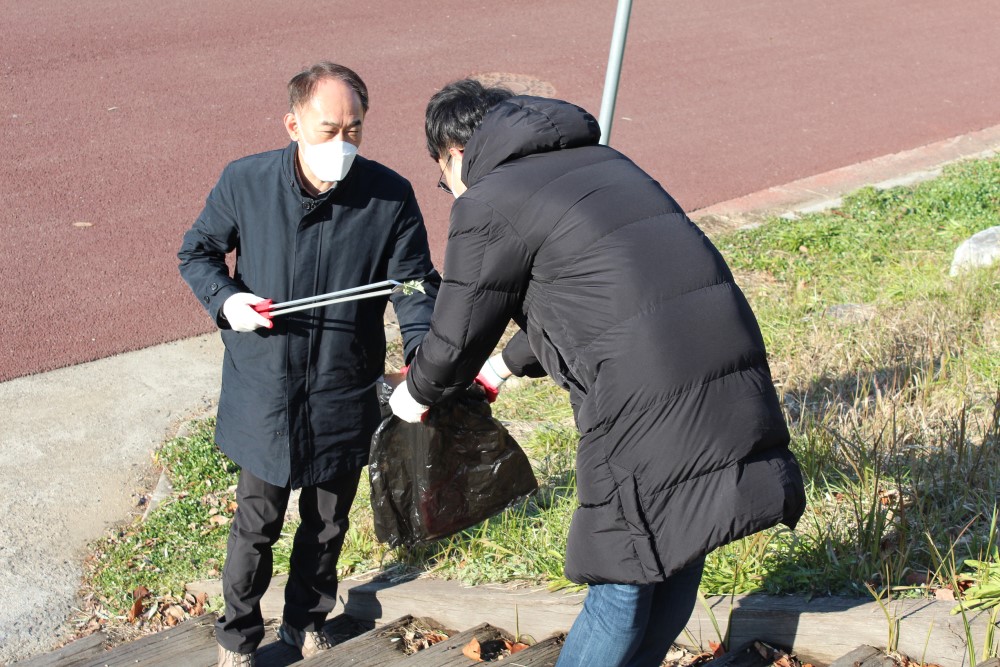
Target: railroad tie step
{"type": "Point", "coordinates": [75, 652]}
{"type": "Point", "coordinates": [189, 643]}
{"type": "Point", "coordinates": [864, 656]}
{"type": "Point", "coordinates": [543, 654]}
{"type": "Point", "coordinates": [405, 642]}
{"type": "Point", "coordinates": [423, 642]}
{"type": "Point", "coordinates": [449, 653]}
{"type": "Point", "coordinates": [384, 646]}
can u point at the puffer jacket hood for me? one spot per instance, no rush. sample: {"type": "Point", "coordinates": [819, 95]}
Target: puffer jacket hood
{"type": "Point", "coordinates": [522, 126]}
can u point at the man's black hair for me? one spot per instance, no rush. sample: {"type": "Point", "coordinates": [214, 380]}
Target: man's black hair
{"type": "Point", "coordinates": [455, 111]}
{"type": "Point", "coordinates": [303, 85]}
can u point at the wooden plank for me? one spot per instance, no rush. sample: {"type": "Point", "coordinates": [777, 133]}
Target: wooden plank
{"type": "Point", "coordinates": [824, 629]}
{"type": "Point", "coordinates": [537, 611]}
{"type": "Point", "coordinates": [71, 654]}
{"type": "Point", "coordinates": [190, 643]}
{"type": "Point", "coordinates": [543, 654]}
{"type": "Point", "coordinates": [376, 648]}
{"type": "Point", "coordinates": [862, 655]}
{"type": "Point", "coordinates": [745, 656]}
{"type": "Point", "coordinates": [448, 653]}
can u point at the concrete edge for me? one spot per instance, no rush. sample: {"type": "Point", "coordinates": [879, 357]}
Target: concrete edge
{"type": "Point", "coordinates": [817, 629]}
{"type": "Point", "coordinates": [826, 190]}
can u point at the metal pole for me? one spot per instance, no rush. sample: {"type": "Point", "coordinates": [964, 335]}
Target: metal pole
{"type": "Point", "coordinates": [614, 68]}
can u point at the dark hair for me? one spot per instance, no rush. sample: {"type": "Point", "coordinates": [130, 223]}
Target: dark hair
{"type": "Point", "coordinates": [303, 85]}
{"type": "Point", "coordinates": [455, 111]}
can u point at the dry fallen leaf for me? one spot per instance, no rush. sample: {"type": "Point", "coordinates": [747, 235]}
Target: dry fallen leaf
{"type": "Point", "coordinates": [517, 647]}
{"type": "Point", "coordinates": [173, 615]}
{"type": "Point", "coordinates": [890, 497]}
{"type": "Point", "coordinates": [218, 520]}
{"type": "Point", "coordinates": [717, 649]}
{"type": "Point", "coordinates": [944, 594]}
{"type": "Point", "coordinates": [435, 637]}
{"type": "Point", "coordinates": [472, 650]}
{"type": "Point", "coordinates": [138, 595]}
{"type": "Point", "coordinates": [199, 604]}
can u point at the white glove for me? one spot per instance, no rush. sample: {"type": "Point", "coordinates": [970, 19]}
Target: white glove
{"type": "Point", "coordinates": [405, 406]}
{"type": "Point", "coordinates": [241, 316]}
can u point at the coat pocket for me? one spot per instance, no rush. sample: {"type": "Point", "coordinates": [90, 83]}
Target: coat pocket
{"type": "Point", "coordinates": [611, 542]}
{"type": "Point", "coordinates": [643, 542]}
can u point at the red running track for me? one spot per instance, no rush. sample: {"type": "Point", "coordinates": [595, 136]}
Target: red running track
{"type": "Point", "coordinates": [119, 115]}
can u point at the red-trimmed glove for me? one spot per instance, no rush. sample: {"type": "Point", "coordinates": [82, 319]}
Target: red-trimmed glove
{"type": "Point", "coordinates": [239, 310]}
{"type": "Point", "coordinates": [492, 376]}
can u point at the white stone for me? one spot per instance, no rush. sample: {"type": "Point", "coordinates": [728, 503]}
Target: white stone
{"type": "Point", "coordinates": [982, 249]}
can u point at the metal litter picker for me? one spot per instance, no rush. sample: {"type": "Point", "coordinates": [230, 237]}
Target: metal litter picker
{"type": "Point", "coordinates": [269, 309]}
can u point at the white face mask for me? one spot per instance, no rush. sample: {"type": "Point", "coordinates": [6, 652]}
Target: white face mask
{"type": "Point", "coordinates": [329, 161]}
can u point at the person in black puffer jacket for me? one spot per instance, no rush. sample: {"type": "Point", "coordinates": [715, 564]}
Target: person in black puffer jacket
{"type": "Point", "coordinates": [625, 303]}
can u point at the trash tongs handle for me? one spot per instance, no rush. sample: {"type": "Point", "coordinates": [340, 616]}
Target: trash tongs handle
{"type": "Point", "coordinates": [269, 309]}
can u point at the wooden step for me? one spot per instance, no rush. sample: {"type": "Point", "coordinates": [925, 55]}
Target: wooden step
{"type": "Point", "coordinates": [745, 656]}
{"type": "Point", "coordinates": [72, 654]}
{"type": "Point", "coordinates": [864, 656]}
{"type": "Point", "coordinates": [190, 643]}
{"type": "Point", "coordinates": [543, 654]}
{"type": "Point", "coordinates": [449, 652]}
{"type": "Point", "coordinates": [376, 648]}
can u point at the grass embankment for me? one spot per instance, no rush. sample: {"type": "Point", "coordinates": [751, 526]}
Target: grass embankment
{"type": "Point", "coordinates": [889, 373]}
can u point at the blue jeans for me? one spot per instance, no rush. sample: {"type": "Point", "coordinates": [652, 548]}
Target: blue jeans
{"type": "Point", "coordinates": [625, 625]}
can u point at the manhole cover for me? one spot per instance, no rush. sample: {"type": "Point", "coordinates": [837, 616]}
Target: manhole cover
{"type": "Point", "coordinates": [519, 84]}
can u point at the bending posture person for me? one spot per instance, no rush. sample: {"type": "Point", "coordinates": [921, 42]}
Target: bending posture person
{"type": "Point", "coordinates": [298, 405]}
{"type": "Point", "coordinates": [625, 303]}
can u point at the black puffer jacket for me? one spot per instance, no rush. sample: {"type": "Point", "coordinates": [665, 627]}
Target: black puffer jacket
{"type": "Point", "coordinates": [624, 302]}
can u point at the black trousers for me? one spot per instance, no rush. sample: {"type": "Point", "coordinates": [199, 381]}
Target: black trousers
{"type": "Point", "coordinates": [311, 592]}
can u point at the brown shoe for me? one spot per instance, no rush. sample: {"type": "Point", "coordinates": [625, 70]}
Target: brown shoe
{"type": "Point", "coordinates": [307, 641]}
{"type": "Point", "coordinates": [229, 658]}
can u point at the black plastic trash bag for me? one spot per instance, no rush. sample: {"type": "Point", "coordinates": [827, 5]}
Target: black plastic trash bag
{"type": "Point", "coordinates": [436, 478]}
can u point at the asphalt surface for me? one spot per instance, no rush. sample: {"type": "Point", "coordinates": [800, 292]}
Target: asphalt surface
{"type": "Point", "coordinates": [118, 117]}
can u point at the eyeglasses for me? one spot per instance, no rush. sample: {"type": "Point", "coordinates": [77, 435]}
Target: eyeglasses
{"type": "Point", "coordinates": [441, 182]}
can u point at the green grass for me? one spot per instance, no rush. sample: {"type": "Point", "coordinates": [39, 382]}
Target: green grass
{"type": "Point", "coordinates": [893, 412]}
{"type": "Point", "coordinates": [180, 542]}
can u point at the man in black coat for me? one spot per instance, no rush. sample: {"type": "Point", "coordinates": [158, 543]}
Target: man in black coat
{"type": "Point", "coordinates": [298, 405]}
{"type": "Point", "coordinates": [625, 303]}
